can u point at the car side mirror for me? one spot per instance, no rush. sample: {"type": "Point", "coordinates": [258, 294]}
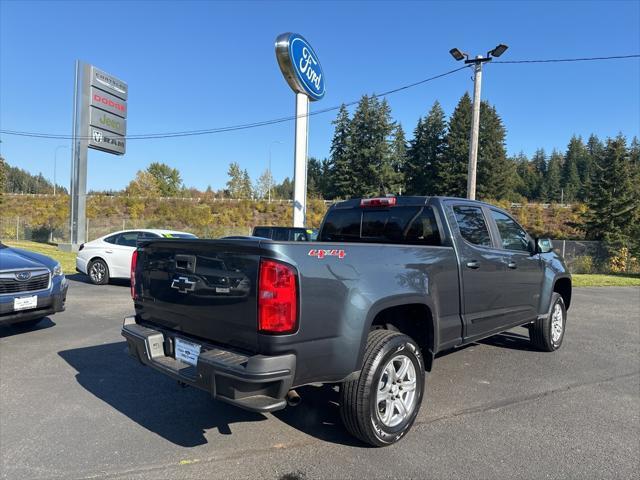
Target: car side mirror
{"type": "Point", "coordinates": [543, 245]}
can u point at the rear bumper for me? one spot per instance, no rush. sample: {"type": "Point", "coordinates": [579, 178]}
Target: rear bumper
{"type": "Point", "coordinates": [258, 383]}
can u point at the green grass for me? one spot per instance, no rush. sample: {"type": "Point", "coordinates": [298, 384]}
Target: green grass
{"type": "Point", "coordinates": [598, 280]}
{"type": "Point", "coordinates": [66, 259]}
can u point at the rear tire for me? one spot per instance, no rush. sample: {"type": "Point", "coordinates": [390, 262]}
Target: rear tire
{"type": "Point", "coordinates": [546, 334]}
{"type": "Point", "coordinates": [98, 272]}
{"type": "Point", "coordinates": [381, 404]}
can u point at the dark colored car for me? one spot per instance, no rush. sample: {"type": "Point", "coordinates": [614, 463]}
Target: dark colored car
{"type": "Point", "coordinates": [291, 234]}
{"type": "Point", "coordinates": [32, 286]}
{"type": "Point", "coordinates": [390, 283]}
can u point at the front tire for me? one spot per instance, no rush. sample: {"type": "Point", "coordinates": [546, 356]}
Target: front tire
{"type": "Point", "coordinates": [546, 334]}
{"type": "Point", "coordinates": [381, 404]}
{"type": "Point", "coordinates": [98, 272]}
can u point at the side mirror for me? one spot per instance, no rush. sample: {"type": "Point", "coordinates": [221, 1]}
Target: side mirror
{"type": "Point", "coordinates": [543, 245]}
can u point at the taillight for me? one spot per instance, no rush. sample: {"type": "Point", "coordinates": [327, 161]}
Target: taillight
{"type": "Point", "coordinates": [378, 202]}
{"type": "Point", "coordinates": [277, 298]}
{"type": "Point", "coordinates": [134, 262]}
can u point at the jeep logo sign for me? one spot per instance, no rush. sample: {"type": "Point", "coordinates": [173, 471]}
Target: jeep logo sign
{"type": "Point", "coordinates": [106, 121]}
{"type": "Point", "coordinates": [300, 65]}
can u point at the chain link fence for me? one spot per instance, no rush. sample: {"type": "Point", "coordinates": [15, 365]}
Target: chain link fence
{"type": "Point", "coordinates": [581, 256]}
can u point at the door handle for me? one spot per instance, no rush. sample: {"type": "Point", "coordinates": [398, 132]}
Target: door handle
{"type": "Point", "coordinates": [473, 264]}
{"type": "Point", "coordinates": [512, 265]}
{"type": "Point", "coordinates": [108, 251]}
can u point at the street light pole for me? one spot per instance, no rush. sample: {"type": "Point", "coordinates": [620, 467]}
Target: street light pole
{"type": "Point", "coordinates": [475, 114]}
{"type": "Point", "coordinates": [55, 162]}
{"type": "Point", "coordinates": [270, 177]}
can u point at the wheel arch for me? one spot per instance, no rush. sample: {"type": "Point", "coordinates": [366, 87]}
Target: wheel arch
{"type": "Point", "coordinates": [409, 315]}
{"type": "Point", "coordinates": [562, 286]}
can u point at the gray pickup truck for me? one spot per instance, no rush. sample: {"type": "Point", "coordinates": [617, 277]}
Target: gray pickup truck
{"type": "Point", "coordinates": [390, 282]}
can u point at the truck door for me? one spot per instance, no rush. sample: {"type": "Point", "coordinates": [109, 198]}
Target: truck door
{"type": "Point", "coordinates": [523, 275]}
{"type": "Point", "coordinates": [481, 269]}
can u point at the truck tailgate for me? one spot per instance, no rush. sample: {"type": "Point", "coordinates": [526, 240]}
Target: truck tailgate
{"type": "Point", "coordinates": [200, 288]}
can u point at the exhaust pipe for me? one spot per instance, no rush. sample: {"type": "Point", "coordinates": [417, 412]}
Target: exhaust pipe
{"type": "Point", "coordinates": [293, 399]}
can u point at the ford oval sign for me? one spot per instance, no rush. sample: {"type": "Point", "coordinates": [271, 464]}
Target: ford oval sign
{"type": "Point", "coordinates": [300, 65]}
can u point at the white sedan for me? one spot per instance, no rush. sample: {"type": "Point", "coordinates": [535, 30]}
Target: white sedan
{"type": "Point", "coordinates": [110, 256]}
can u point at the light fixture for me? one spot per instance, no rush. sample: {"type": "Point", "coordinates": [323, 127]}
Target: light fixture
{"type": "Point", "coordinates": [499, 50]}
{"type": "Point", "coordinates": [457, 54]}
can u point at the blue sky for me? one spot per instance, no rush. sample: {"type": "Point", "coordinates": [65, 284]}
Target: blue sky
{"type": "Point", "coordinates": [196, 65]}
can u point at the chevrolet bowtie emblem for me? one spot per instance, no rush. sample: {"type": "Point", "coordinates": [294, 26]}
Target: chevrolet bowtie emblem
{"type": "Point", "coordinates": [183, 284]}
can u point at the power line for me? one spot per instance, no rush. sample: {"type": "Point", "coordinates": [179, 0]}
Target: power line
{"type": "Point", "coordinates": [274, 121]}
{"type": "Point", "coordinates": [559, 60]}
{"type": "Point", "coordinates": [240, 126]}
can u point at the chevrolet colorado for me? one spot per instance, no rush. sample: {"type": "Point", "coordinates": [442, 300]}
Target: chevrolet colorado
{"type": "Point", "coordinates": [390, 282]}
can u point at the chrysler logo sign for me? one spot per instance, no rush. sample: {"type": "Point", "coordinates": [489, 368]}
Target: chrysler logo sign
{"type": "Point", "coordinates": [300, 65]}
{"type": "Point", "coordinates": [108, 83]}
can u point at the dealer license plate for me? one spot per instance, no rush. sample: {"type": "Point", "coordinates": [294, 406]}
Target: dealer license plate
{"type": "Point", "coordinates": [187, 352]}
{"type": "Point", "coordinates": [25, 303]}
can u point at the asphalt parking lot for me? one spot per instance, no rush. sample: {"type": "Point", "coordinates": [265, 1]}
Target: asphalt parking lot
{"type": "Point", "coordinates": [75, 405]}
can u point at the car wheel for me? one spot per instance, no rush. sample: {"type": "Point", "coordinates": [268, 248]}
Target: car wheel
{"type": "Point", "coordinates": [380, 405]}
{"type": "Point", "coordinates": [98, 272]}
{"type": "Point", "coordinates": [546, 334]}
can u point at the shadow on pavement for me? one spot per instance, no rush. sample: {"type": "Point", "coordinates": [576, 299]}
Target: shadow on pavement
{"type": "Point", "coordinates": [21, 328]}
{"type": "Point", "coordinates": [511, 340]}
{"type": "Point", "coordinates": [82, 278]}
{"type": "Point", "coordinates": [159, 404]}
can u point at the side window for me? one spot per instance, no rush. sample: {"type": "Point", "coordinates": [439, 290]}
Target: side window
{"type": "Point", "coordinates": [128, 239]}
{"type": "Point", "coordinates": [112, 239]}
{"type": "Point", "coordinates": [424, 229]}
{"type": "Point", "coordinates": [513, 236]}
{"type": "Point", "coordinates": [472, 226]}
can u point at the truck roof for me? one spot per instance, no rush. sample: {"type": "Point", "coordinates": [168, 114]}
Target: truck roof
{"type": "Point", "coordinates": [406, 200]}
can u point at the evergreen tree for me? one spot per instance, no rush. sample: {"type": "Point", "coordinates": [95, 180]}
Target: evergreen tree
{"type": "Point", "coordinates": [496, 175]}
{"type": "Point", "coordinates": [574, 160]}
{"type": "Point", "coordinates": [553, 178]}
{"type": "Point", "coordinates": [454, 183]}
{"type": "Point", "coordinates": [399, 156]}
{"type": "Point", "coordinates": [246, 186]}
{"type": "Point", "coordinates": [427, 168]}
{"type": "Point", "coordinates": [614, 204]}
{"type": "Point", "coordinates": [315, 178]}
{"type": "Point", "coordinates": [3, 175]}
{"type": "Point", "coordinates": [528, 179]}
{"type": "Point", "coordinates": [339, 167]}
{"type": "Point", "coordinates": [595, 151]}
{"type": "Point", "coordinates": [539, 163]}
{"type": "Point", "coordinates": [369, 149]}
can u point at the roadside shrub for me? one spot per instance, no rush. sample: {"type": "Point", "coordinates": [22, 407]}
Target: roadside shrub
{"type": "Point", "coordinates": [582, 264]}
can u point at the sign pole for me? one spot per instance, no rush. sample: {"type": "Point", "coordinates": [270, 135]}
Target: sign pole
{"type": "Point", "coordinates": [300, 161]}
{"type": "Point", "coordinates": [79, 160]}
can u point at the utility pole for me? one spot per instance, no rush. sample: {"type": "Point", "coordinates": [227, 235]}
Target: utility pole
{"type": "Point", "coordinates": [475, 115]}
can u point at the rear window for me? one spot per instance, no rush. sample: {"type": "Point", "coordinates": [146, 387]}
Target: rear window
{"type": "Point", "coordinates": [409, 225]}
{"type": "Point", "coordinates": [262, 232]}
